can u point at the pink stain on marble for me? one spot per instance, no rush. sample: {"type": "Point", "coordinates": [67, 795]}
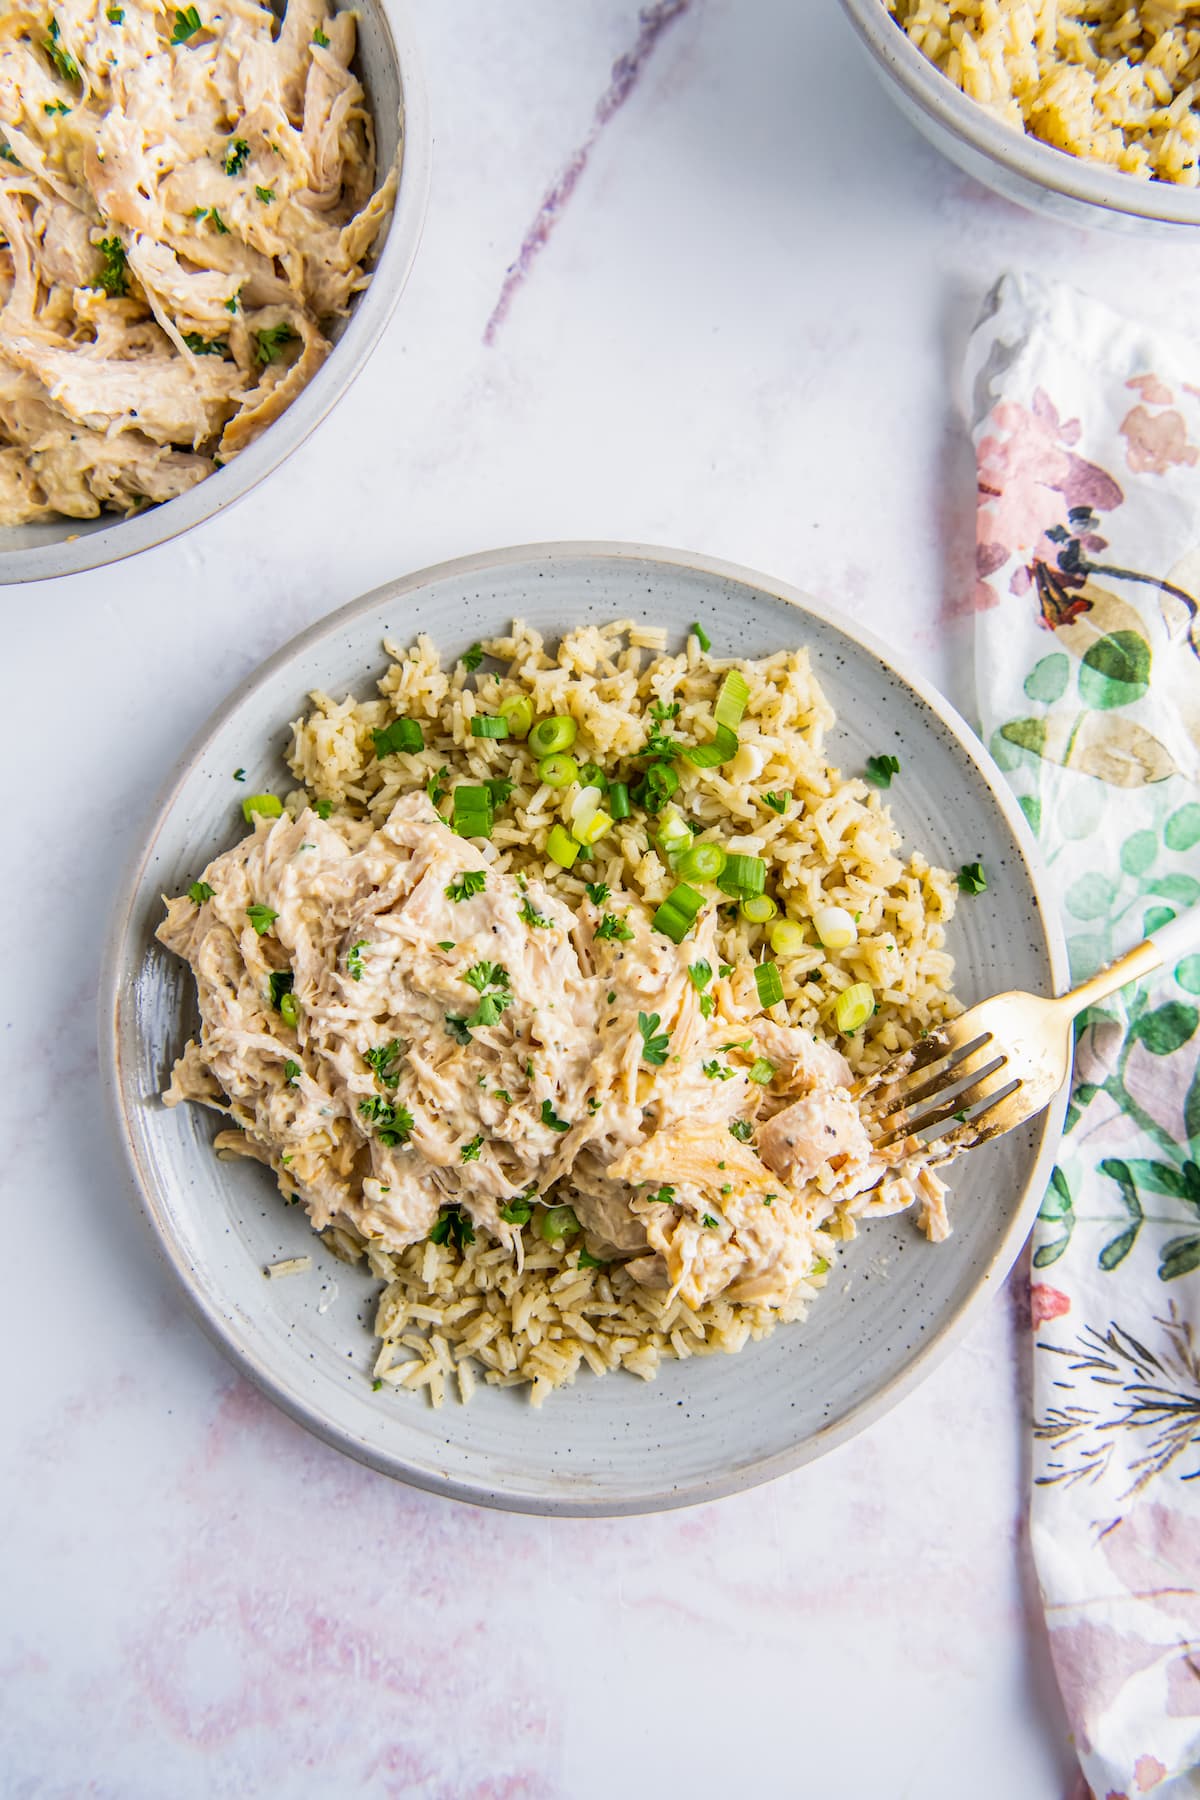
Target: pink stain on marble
{"type": "Point", "coordinates": [626, 72]}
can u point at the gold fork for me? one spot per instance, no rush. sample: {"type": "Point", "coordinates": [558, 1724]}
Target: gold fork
{"type": "Point", "coordinates": [1000, 1063]}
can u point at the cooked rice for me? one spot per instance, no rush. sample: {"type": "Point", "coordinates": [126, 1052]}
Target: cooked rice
{"type": "Point", "coordinates": [1098, 78]}
{"type": "Point", "coordinates": [449, 1316]}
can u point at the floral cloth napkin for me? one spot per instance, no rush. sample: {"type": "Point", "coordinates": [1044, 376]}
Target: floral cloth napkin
{"type": "Point", "coordinates": [1087, 433]}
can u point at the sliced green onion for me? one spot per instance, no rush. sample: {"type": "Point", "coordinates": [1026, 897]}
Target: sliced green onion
{"type": "Point", "coordinates": [743, 876]}
{"type": "Point", "coordinates": [583, 808]}
{"type": "Point", "coordinates": [561, 847]}
{"type": "Point", "coordinates": [473, 813]}
{"type": "Point", "coordinates": [758, 908]}
{"type": "Point", "coordinates": [618, 800]}
{"type": "Point", "coordinates": [289, 1009]}
{"type": "Point", "coordinates": [672, 836]}
{"type": "Point", "coordinates": [558, 771]}
{"type": "Point", "coordinates": [769, 983]}
{"type": "Point", "coordinates": [483, 725]}
{"type": "Point", "coordinates": [557, 1222]}
{"type": "Point", "coordinates": [592, 775]}
{"type": "Point", "coordinates": [709, 756]}
{"type": "Point", "coordinates": [762, 1071]}
{"type": "Point", "coordinates": [594, 830]}
{"type": "Point", "coordinates": [701, 636]}
{"type": "Point", "coordinates": [835, 927]}
{"type": "Point", "coordinates": [787, 937]}
{"type": "Point", "coordinates": [677, 914]}
{"type": "Point", "coordinates": [267, 806]}
{"type": "Point", "coordinates": [854, 1007]}
{"type": "Point", "coordinates": [551, 735]}
{"type": "Point", "coordinates": [703, 862]}
{"type": "Point", "coordinates": [519, 712]}
{"type": "Point", "coordinates": [401, 735]}
{"type": "Point", "coordinates": [731, 701]}
{"type": "Point", "coordinates": [657, 786]}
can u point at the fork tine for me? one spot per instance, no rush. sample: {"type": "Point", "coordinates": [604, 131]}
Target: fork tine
{"type": "Point", "coordinates": [913, 1086]}
{"type": "Point", "coordinates": [965, 1137]}
{"type": "Point", "coordinates": [985, 1087]}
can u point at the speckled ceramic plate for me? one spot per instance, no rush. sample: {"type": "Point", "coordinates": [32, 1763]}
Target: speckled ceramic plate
{"type": "Point", "coordinates": [705, 1427]}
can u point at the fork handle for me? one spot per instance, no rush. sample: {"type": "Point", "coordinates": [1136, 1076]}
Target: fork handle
{"type": "Point", "coordinates": [1182, 933]}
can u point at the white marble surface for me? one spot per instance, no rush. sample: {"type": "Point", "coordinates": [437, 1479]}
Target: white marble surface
{"type": "Point", "coordinates": [740, 337]}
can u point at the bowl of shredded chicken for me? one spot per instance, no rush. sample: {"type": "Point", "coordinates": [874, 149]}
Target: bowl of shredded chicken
{"type": "Point", "coordinates": [206, 216]}
{"type": "Point", "coordinates": [552, 992]}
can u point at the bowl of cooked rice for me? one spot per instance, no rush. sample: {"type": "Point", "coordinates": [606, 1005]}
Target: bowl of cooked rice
{"type": "Point", "coordinates": [493, 1079]}
{"type": "Point", "coordinates": [1086, 113]}
{"type": "Point", "coordinates": [207, 217]}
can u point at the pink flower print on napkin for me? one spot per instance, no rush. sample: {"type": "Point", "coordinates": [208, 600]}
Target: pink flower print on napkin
{"type": "Point", "coordinates": [1155, 443]}
{"type": "Point", "coordinates": [1046, 1302]}
{"type": "Point", "coordinates": [1029, 480]}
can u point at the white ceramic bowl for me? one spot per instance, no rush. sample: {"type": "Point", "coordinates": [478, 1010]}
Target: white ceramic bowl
{"type": "Point", "coordinates": [1021, 168]}
{"type": "Point", "coordinates": [706, 1426]}
{"type": "Point", "coordinates": [388, 65]}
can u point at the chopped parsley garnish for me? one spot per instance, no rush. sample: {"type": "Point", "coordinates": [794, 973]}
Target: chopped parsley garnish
{"type": "Point", "coordinates": [445, 943]}
{"type": "Point", "coordinates": [708, 1220]}
{"type": "Point", "coordinates": [593, 1104]}
{"type": "Point", "coordinates": [971, 878]}
{"type": "Point", "coordinates": [113, 277]}
{"type": "Point", "coordinates": [291, 1072]}
{"type": "Point", "coordinates": [187, 24]}
{"type": "Point", "coordinates": [323, 808]}
{"type": "Point", "coordinates": [393, 1124]}
{"type": "Point", "coordinates": [463, 886]}
{"type": "Point", "coordinates": [239, 774]}
{"type": "Point", "coordinates": [717, 1071]}
{"type": "Point", "coordinates": [452, 1226]}
{"type": "Point", "coordinates": [261, 917]}
{"type": "Point", "coordinates": [701, 636]}
{"type": "Point", "coordinates": [268, 344]}
{"type": "Point", "coordinates": [741, 1129]}
{"type": "Point", "coordinates": [618, 929]}
{"type": "Point", "coordinates": [470, 1152]}
{"type": "Point", "coordinates": [725, 971]}
{"type": "Point", "coordinates": [9, 155]}
{"type": "Point", "coordinates": [880, 769]}
{"type": "Point", "coordinates": [354, 962]}
{"type": "Point", "coordinates": [502, 1094]}
{"type": "Point", "coordinates": [384, 1059]}
{"type": "Point", "coordinates": [318, 37]}
{"type": "Point", "coordinates": [210, 212]}
{"type": "Point", "coordinates": [472, 659]}
{"type": "Point", "coordinates": [55, 106]}
{"type": "Point", "coordinates": [199, 892]}
{"type": "Point", "coordinates": [266, 195]}
{"type": "Point", "coordinates": [458, 1028]}
{"type": "Point", "coordinates": [588, 1261]}
{"type": "Point", "coordinates": [529, 916]}
{"type": "Point", "coordinates": [550, 1118]}
{"type": "Point", "coordinates": [776, 802]}
{"type": "Point", "coordinates": [518, 1211]}
{"type": "Point", "coordinates": [280, 983]}
{"type": "Point", "coordinates": [115, 15]}
{"type": "Point", "coordinates": [700, 974]}
{"type": "Point", "coordinates": [706, 1006]}
{"type": "Point", "coordinates": [435, 787]}
{"type": "Point", "coordinates": [769, 1199]}
{"type": "Point", "coordinates": [655, 1044]}
{"type": "Point", "coordinates": [377, 1384]}
{"type": "Point", "coordinates": [66, 65]}
{"type": "Point", "coordinates": [612, 996]}
{"type": "Point", "coordinates": [484, 975]}
{"type": "Point", "coordinates": [202, 346]}
{"type": "Point", "coordinates": [664, 1197]}
{"type": "Point", "coordinates": [597, 891]}
{"type": "Point", "coordinates": [662, 712]}
{"type": "Point", "coordinates": [499, 789]}
{"type": "Point", "coordinates": [237, 156]}
{"type": "Point", "coordinates": [231, 305]}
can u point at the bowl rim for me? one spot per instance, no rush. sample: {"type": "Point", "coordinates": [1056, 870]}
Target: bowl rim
{"type": "Point", "coordinates": [1090, 183]}
{"type": "Point", "coordinates": [122, 538]}
{"type": "Point", "coordinates": [116, 975]}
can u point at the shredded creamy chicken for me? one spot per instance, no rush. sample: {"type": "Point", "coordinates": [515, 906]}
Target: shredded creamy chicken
{"type": "Point", "coordinates": [186, 202]}
{"type": "Point", "coordinates": [396, 1028]}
